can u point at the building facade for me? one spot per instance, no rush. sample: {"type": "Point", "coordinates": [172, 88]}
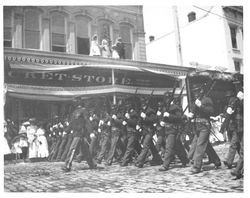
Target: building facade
{"type": "Point", "coordinates": [209, 37]}
{"type": "Point", "coordinates": [69, 29]}
{"type": "Point", "coordinates": [47, 62]}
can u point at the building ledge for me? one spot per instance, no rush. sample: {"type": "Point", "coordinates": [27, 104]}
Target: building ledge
{"type": "Point", "coordinates": [45, 57]}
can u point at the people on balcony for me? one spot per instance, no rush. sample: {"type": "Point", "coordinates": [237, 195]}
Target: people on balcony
{"type": "Point", "coordinates": [94, 47]}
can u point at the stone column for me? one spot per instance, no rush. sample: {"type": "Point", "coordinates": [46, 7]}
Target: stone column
{"type": "Point", "coordinates": [139, 46]}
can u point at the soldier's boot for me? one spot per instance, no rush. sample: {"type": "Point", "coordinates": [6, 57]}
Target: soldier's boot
{"type": "Point", "coordinates": [163, 168]}
{"type": "Point", "coordinates": [108, 163]}
{"type": "Point", "coordinates": [68, 165]}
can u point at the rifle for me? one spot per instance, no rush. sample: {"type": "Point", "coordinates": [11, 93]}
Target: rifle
{"type": "Point", "coordinates": [149, 100]}
{"type": "Point", "coordinates": [176, 100]}
{"type": "Point", "coordinates": [172, 96]}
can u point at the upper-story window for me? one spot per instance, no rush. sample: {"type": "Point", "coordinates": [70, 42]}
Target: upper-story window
{"type": "Point", "coordinates": [82, 35]}
{"type": "Point", "coordinates": [126, 35]}
{"type": "Point", "coordinates": [237, 65]}
{"type": "Point", "coordinates": [7, 28]}
{"type": "Point", "coordinates": [104, 30]}
{"type": "Point", "coordinates": [233, 32]}
{"type": "Point", "coordinates": [58, 32]}
{"type": "Point", "coordinates": [32, 29]}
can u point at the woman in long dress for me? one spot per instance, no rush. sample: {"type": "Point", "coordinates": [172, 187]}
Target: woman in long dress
{"type": "Point", "coordinates": [94, 47]}
{"type": "Point", "coordinates": [105, 49]}
{"type": "Point", "coordinates": [43, 151]}
{"type": "Point", "coordinates": [32, 139]}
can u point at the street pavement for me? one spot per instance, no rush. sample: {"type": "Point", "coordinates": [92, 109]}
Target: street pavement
{"type": "Point", "coordinates": [48, 177]}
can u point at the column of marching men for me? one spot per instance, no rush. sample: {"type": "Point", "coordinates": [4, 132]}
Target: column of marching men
{"type": "Point", "coordinates": [145, 132]}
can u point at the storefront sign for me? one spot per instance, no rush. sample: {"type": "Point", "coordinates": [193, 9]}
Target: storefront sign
{"type": "Point", "coordinates": [88, 76]}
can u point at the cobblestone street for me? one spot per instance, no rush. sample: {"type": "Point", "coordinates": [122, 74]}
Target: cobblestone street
{"type": "Point", "coordinates": [48, 177]}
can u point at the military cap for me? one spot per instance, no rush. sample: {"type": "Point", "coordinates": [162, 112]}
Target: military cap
{"type": "Point", "coordinates": [196, 87]}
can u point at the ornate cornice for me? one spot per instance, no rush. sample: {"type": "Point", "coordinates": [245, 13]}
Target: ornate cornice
{"type": "Point", "coordinates": [44, 57]}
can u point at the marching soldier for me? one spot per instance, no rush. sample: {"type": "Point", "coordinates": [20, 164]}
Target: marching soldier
{"type": "Point", "coordinates": [80, 126]}
{"type": "Point", "coordinates": [232, 132]}
{"type": "Point", "coordinates": [131, 120]}
{"type": "Point", "coordinates": [64, 141]}
{"type": "Point", "coordinates": [104, 127]}
{"type": "Point", "coordinates": [148, 118]}
{"type": "Point", "coordinates": [95, 135]}
{"type": "Point", "coordinates": [172, 119]}
{"type": "Point", "coordinates": [201, 112]}
{"type": "Point", "coordinates": [116, 127]}
{"type": "Point", "coordinates": [160, 143]}
{"type": "Point", "coordinates": [238, 116]}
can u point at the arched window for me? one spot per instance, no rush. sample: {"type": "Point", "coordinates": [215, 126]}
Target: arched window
{"type": "Point", "coordinates": [82, 35]}
{"type": "Point", "coordinates": [58, 32]}
{"type": "Point", "coordinates": [32, 29]}
{"type": "Point", "coordinates": [104, 30]}
{"type": "Point", "coordinates": [126, 35]}
{"type": "Point", "coordinates": [7, 28]}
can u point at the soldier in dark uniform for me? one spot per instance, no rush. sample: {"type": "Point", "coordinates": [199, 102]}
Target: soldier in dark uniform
{"type": "Point", "coordinates": [211, 153]}
{"type": "Point", "coordinates": [67, 146]}
{"type": "Point", "coordinates": [201, 112]}
{"type": "Point", "coordinates": [147, 120]}
{"type": "Point", "coordinates": [64, 141]}
{"type": "Point", "coordinates": [131, 121]}
{"type": "Point", "coordinates": [116, 129]}
{"type": "Point", "coordinates": [232, 132]}
{"type": "Point", "coordinates": [105, 127]}
{"type": "Point", "coordinates": [55, 137]}
{"type": "Point", "coordinates": [160, 132]}
{"type": "Point", "coordinates": [237, 113]}
{"type": "Point", "coordinates": [95, 135]}
{"type": "Point", "coordinates": [59, 134]}
{"type": "Point", "coordinates": [80, 126]}
{"type": "Point", "coordinates": [172, 119]}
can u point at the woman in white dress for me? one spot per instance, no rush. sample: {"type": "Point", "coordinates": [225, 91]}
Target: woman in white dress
{"type": "Point", "coordinates": [115, 52]}
{"type": "Point", "coordinates": [106, 52]}
{"type": "Point", "coordinates": [94, 47]}
{"type": "Point", "coordinates": [43, 151]}
{"type": "Point", "coordinates": [32, 139]}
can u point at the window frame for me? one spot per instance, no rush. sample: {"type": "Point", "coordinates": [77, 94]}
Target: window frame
{"type": "Point", "coordinates": [65, 32]}
{"type": "Point", "coordinates": [87, 19]}
{"type": "Point", "coordinates": [39, 31]}
{"type": "Point", "coordinates": [131, 38]}
{"type": "Point", "coordinates": [240, 64]}
{"type": "Point", "coordinates": [10, 27]}
{"type": "Point", "coordinates": [234, 39]}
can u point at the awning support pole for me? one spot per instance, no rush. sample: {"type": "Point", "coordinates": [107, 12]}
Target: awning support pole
{"type": "Point", "coordinates": [113, 83]}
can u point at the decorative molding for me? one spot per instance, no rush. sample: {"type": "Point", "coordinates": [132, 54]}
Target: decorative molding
{"type": "Point", "coordinates": [43, 57]}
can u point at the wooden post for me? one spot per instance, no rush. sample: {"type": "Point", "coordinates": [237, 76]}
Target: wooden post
{"type": "Point", "coordinates": [177, 36]}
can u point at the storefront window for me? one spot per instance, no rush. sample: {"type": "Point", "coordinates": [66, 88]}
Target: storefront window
{"type": "Point", "coordinates": [58, 29]}
{"type": "Point", "coordinates": [32, 29]}
{"type": "Point", "coordinates": [82, 34]}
